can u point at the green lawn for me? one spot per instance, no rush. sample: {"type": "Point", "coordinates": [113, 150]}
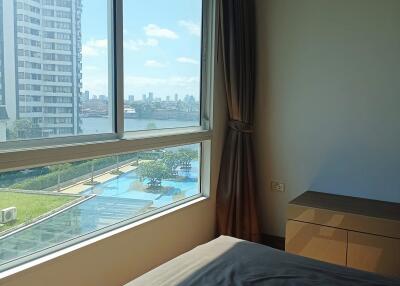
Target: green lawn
{"type": "Point", "coordinates": [30, 206]}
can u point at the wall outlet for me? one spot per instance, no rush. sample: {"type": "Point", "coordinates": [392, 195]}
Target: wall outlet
{"type": "Point", "coordinates": [277, 187]}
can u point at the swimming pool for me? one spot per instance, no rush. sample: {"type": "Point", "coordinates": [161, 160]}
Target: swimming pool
{"type": "Point", "coordinates": [129, 186]}
{"type": "Point", "coordinates": [118, 199]}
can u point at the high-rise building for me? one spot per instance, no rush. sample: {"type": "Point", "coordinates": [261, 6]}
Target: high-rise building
{"type": "Point", "coordinates": [2, 99]}
{"type": "Point", "coordinates": [85, 96]}
{"type": "Point", "coordinates": [131, 99]}
{"type": "Point", "coordinates": [102, 97]}
{"type": "Point", "coordinates": [176, 97]}
{"type": "Point", "coordinates": [42, 64]}
{"type": "Point", "coordinates": [3, 123]}
{"type": "Point", "coordinates": [151, 96]}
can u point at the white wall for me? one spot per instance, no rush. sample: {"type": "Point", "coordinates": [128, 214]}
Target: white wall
{"type": "Point", "coordinates": [122, 257]}
{"type": "Point", "coordinates": [328, 100]}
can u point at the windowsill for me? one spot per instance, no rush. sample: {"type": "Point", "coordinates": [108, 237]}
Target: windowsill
{"type": "Point", "coordinates": [47, 154]}
{"type": "Point", "coordinates": [73, 141]}
{"type": "Point", "coordinates": [79, 245]}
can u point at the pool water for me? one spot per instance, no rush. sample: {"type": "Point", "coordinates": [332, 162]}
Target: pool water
{"type": "Point", "coordinates": [129, 186]}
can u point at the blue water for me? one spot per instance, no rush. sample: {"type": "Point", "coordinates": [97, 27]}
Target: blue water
{"type": "Point", "coordinates": [128, 186]}
{"type": "Point", "coordinates": [104, 125]}
{"type": "Point", "coordinates": [116, 200]}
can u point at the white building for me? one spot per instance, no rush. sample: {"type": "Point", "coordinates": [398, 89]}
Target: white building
{"type": "Point", "coordinates": [42, 63]}
{"type": "Point", "coordinates": [3, 123]}
{"type": "Point", "coordinates": [85, 96]}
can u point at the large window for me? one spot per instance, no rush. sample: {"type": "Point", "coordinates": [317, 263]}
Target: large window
{"type": "Point", "coordinates": [53, 69]}
{"type": "Point", "coordinates": [57, 203]}
{"type": "Point", "coordinates": [104, 116]}
{"type": "Point", "coordinates": [162, 56]}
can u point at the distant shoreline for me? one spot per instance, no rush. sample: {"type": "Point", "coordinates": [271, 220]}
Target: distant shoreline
{"type": "Point", "coordinates": [95, 125]}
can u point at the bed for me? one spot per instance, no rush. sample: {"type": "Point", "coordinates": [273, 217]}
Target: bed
{"type": "Point", "coordinates": [230, 261]}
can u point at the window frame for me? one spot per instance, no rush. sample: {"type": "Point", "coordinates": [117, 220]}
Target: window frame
{"type": "Point", "coordinates": [23, 154]}
{"type": "Point", "coordinates": [29, 153]}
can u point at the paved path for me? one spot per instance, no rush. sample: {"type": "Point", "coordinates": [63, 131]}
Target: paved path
{"type": "Point", "coordinates": [81, 186]}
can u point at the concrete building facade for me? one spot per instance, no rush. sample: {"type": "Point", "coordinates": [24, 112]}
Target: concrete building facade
{"type": "Point", "coordinates": [42, 64]}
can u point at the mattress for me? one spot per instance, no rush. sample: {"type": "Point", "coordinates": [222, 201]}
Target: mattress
{"type": "Point", "coordinates": [230, 261]}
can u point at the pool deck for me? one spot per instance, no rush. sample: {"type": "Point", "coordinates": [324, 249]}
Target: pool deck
{"type": "Point", "coordinates": [82, 186]}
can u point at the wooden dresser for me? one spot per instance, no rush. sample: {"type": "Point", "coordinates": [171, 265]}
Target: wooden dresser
{"type": "Point", "coordinates": [353, 232]}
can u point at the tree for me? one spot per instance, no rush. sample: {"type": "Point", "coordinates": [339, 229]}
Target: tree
{"type": "Point", "coordinates": [24, 128]}
{"type": "Point", "coordinates": [154, 171]}
{"type": "Point", "coordinates": [172, 161]}
{"type": "Point", "coordinates": [151, 126]}
{"type": "Point", "coordinates": [186, 156]}
{"type": "Point", "coordinates": [189, 153]}
{"type": "Point", "coordinates": [58, 169]}
{"type": "Point", "coordinates": [116, 171]}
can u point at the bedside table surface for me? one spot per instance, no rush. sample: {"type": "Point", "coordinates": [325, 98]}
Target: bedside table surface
{"type": "Point", "coordinates": [340, 203]}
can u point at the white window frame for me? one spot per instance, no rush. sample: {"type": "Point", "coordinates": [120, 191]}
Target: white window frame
{"type": "Point", "coordinates": [17, 155]}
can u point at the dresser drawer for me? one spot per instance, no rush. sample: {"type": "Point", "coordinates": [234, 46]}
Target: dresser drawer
{"type": "Point", "coordinates": [315, 241]}
{"type": "Point", "coordinates": [374, 253]}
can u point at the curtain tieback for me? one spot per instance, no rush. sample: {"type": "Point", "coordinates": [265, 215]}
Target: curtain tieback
{"type": "Point", "coordinates": [240, 126]}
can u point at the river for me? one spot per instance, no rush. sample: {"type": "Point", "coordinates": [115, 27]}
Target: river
{"type": "Point", "coordinates": [96, 125]}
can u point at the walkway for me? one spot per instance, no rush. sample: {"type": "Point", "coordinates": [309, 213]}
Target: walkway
{"type": "Point", "coordinates": [82, 186]}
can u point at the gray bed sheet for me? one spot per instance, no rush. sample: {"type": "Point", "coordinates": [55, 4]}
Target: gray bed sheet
{"type": "Point", "coordinates": [230, 261]}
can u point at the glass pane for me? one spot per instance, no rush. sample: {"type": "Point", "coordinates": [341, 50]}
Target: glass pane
{"type": "Point", "coordinates": [162, 63]}
{"type": "Point", "coordinates": [53, 69]}
{"type": "Point", "coordinates": [43, 207]}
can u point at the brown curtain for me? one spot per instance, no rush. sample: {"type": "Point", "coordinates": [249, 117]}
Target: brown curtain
{"type": "Point", "coordinates": [236, 207]}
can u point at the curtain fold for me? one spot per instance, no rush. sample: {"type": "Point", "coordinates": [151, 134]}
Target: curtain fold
{"type": "Point", "coordinates": [236, 202]}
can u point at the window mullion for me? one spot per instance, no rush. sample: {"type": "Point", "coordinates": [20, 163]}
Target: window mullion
{"type": "Point", "coordinates": [207, 62]}
{"type": "Point", "coordinates": [118, 66]}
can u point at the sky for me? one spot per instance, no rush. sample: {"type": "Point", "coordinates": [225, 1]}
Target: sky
{"type": "Point", "coordinates": [161, 47]}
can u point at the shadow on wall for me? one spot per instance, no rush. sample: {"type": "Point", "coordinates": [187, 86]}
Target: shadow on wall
{"type": "Point", "coordinates": [362, 169]}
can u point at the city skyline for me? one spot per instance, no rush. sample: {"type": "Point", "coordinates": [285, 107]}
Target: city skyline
{"type": "Point", "coordinates": [86, 94]}
{"type": "Point", "coordinates": [161, 50]}
{"type": "Point", "coordinates": [56, 54]}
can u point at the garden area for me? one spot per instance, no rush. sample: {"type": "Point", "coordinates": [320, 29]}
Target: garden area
{"type": "Point", "coordinates": [87, 194]}
{"type": "Point", "coordinates": [30, 206]}
{"type": "Point", "coordinates": [49, 178]}
{"type": "Point", "coordinates": [154, 169]}
{"type": "Point", "coordinates": [154, 166]}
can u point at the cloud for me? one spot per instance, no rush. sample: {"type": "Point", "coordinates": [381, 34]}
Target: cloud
{"type": "Point", "coordinates": [153, 30]}
{"type": "Point", "coordinates": [153, 64]}
{"type": "Point", "coordinates": [96, 83]}
{"type": "Point", "coordinates": [184, 60]}
{"type": "Point", "coordinates": [191, 27]}
{"type": "Point", "coordinates": [94, 48]}
{"type": "Point", "coordinates": [90, 67]}
{"type": "Point", "coordinates": [136, 45]}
